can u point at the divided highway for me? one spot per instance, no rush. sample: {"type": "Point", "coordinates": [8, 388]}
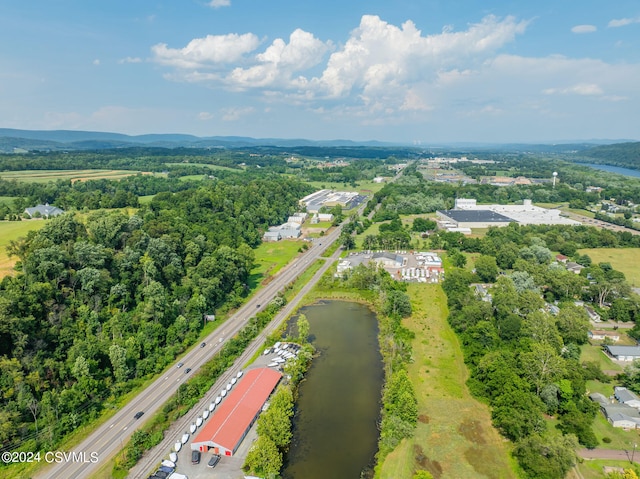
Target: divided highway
{"type": "Point", "coordinates": [109, 438]}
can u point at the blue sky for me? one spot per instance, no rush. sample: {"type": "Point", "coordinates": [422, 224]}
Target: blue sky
{"type": "Point", "coordinates": [423, 71]}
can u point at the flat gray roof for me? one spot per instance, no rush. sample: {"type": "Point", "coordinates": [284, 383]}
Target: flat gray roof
{"type": "Point", "coordinates": [476, 216]}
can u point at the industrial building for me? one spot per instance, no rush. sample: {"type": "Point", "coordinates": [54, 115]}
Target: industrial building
{"type": "Point", "coordinates": [236, 414]}
{"type": "Point", "coordinates": [330, 198]}
{"type": "Point", "coordinates": [468, 214]}
{"type": "Point", "coordinates": [422, 267]}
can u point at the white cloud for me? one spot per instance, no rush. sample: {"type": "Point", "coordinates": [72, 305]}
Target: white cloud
{"type": "Point", "coordinates": [234, 114]}
{"type": "Point", "coordinates": [96, 62]}
{"type": "Point", "coordinates": [621, 22]}
{"type": "Point", "coordinates": [584, 89]}
{"type": "Point", "coordinates": [205, 115]}
{"type": "Point", "coordinates": [130, 60]}
{"type": "Point", "coordinates": [207, 51]}
{"type": "Point", "coordinates": [277, 64]}
{"type": "Point", "coordinates": [219, 3]}
{"type": "Point", "coordinates": [584, 29]}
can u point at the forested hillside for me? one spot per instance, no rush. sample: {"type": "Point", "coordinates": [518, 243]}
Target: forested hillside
{"type": "Point", "coordinates": [102, 303]}
{"type": "Point", "coordinates": [621, 154]}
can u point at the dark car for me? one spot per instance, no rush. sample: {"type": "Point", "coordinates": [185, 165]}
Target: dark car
{"type": "Point", "coordinates": [258, 305]}
{"type": "Point", "coordinates": [187, 371]}
{"type": "Point", "coordinates": [202, 345]}
{"type": "Point", "coordinates": [215, 459]}
{"type": "Point", "coordinates": [138, 415]}
{"type": "Point", "coordinates": [195, 457]}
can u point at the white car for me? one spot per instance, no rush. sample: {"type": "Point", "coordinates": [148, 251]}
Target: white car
{"type": "Point", "coordinates": [185, 438]}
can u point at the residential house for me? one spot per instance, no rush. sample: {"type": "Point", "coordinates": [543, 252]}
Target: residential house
{"type": "Point", "coordinates": [624, 396]}
{"type": "Point", "coordinates": [602, 334]}
{"type": "Point", "coordinates": [621, 415]}
{"type": "Point", "coordinates": [592, 313]}
{"type": "Point", "coordinates": [43, 211]}
{"type": "Point", "coordinates": [560, 258]}
{"type": "Point", "coordinates": [622, 353]}
{"type": "Point", "coordinates": [574, 267]}
{"type": "Point", "coordinates": [271, 236]}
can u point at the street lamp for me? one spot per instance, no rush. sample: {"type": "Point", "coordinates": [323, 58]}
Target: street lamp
{"type": "Point", "coordinates": [633, 452]}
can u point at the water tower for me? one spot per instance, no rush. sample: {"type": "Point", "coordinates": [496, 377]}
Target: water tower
{"type": "Point", "coordinates": [555, 174]}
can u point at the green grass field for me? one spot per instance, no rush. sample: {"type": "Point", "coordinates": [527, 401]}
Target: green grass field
{"type": "Point", "coordinates": [206, 165]}
{"type": "Point", "coordinates": [12, 230]}
{"type": "Point", "coordinates": [454, 438]}
{"type": "Point", "coordinates": [44, 176]}
{"type": "Point", "coordinates": [270, 258]}
{"type": "Point", "coordinates": [362, 186]}
{"type": "Point", "coordinates": [7, 200]}
{"type": "Point", "coordinates": [625, 260]}
{"type": "Point", "coordinates": [145, 200]}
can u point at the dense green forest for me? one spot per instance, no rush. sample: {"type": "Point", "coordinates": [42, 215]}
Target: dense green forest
{"type": "Point", "coordinates": [101, 304]}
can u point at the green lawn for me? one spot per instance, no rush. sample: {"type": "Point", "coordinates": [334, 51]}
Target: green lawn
{"type": "Point", "coordinates": [625, 260]}
{"type": "Point", "coordinates": [12, 230]}
{"type": "Point", "coordinates": [7, 200]}
{"type": "Point", "coordinates": [454, 438]}
{"type": "Point", "coordinates": [145, 200]}
{"type": "Point", "coordinates": [206, 165]}
{"type": "Point", "coordinates": [593, 353]}
{"type": "Point", "coordinates": [362, 186]}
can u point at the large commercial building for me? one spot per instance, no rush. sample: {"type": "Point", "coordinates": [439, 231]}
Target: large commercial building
{"type": "Point", "coordinates": [330, 198]}
{"type": "Point", "coordinates": [236, 414]}
{"type": "Point", "coordinates": [468, 214]}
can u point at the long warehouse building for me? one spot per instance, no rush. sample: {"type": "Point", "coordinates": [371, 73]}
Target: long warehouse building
{"type": "Point", "coordinates": [236, 414]}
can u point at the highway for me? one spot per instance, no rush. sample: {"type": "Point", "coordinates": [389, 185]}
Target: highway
{"type": "Point", "coordinates": [109, 438]}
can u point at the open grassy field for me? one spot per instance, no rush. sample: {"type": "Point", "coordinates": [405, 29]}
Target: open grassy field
{"type": "Point", "coordinates": [454, 437]}
{"type": "Point", "coordinates": [145, 200]}
{"type": "Point", "coordinates": [625, 260]}
{"type": "Point", "coordinates": [593, 468]}
{"type": "Point", "coordinates": [6, 200]}
{"type": "Point", "coordinates": [44, 176]}
{"type": "Point", "coordinates": [206, 165]}
{"type": "Point", "coordinates": [366, 187]}
{"type": "Point", "coordinates": [12, 230]}
{"type": "Point", "coordinates": [270, 258]}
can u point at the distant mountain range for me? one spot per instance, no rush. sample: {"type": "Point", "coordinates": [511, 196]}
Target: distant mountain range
{"type": "Point", "coordinates": [13, 140]}
{"type": "Point", "coordinates": [56, 140]}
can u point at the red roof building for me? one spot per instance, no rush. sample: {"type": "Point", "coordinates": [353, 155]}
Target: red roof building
{"type": "Point", "coordinates": [231, 421]}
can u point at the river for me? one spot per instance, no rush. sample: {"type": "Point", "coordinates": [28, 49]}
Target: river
{"type": "Point", "coordinates": [335, 431]}
{"type": "Point", "coordinates": [615, 169]}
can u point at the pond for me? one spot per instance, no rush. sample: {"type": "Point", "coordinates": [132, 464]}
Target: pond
{"type": "Point", "coordinates": [335, 431]}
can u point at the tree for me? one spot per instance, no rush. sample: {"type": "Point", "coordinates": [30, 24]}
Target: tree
{"type": "Point", "coordinates": [264, 458]}
{"type": "Point", "coordinates": [542, 365]}
{"type": "Point", "coordinates": [303, 328]}
{"type": "Point", "coordinates": [397, 302]}
{"type": "Point", "coordinates": [546, 457]}
{"type": "Point", "coordinates": [573, 324]}
{"type": "Point", "coordinates": [422, 475]}
{"type": "Point", "coordinates": [423, 224]}
{"type": "Point", "coordinates": [486, 268]}
{"type": "Point", "coordinates": [347, 240]}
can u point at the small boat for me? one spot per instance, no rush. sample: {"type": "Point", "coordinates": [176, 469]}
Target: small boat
{"type": "Point", "coordinates": [212, 406]}
{"type": "Point", "coordinates": [173, 457]}
{"type": "Point", "coordinates": [199, 421]}
{"type": "Point", "coordinates": [223, 393]}
{"type": "Point", "coordinates": [167, 463]}
{"type": "Point", "coordinates": [234, 380]}
{"type": "Point", "coordinates": [229, 386]}
{"type": "Point", "coordinates": [192, 429]}
{"type": "Point", "coordinates": [267, 351]}
{"type": "Point", "coordinates": [218, 399]}
{"type": "Point", "coordinates": [277, 345]}
{"type": "Point", "coordinates": [177, 446]}
{"type": "Point", "coordinates": [185, 438]}
{"type": "Point", "coordinates": [239, 375]}
{"type": "Point", "coordinates": [205, 414]}
{"type": "Point", "coordinates": [272, 365]}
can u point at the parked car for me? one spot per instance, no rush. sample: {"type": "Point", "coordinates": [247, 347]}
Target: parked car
{"type": "Point", "coordinates": [215, 459]}
{"type": "Point", "coordinates": [202, 345]}
{"type": "Point", "coordinates": [195, 457]}
{"type": "Point", "coordinates": [138, 415]}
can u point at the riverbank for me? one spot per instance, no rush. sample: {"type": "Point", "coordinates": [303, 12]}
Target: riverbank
{"type": "Point", "coordinates": [454, 437]}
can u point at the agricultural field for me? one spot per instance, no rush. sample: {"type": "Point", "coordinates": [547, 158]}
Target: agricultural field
{"type": "Point", "coordinates": [454, 437]}
{"type": "Point", "coordinates": [12, 230]}
{"type": "Point", "coordinates": [44, 176]}
{"type": "Point", "coordinates": [206, 165]}
{"type": "Point", "coordinates": [625, 260]}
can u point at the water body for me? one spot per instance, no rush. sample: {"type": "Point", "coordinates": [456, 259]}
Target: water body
{"type": "Point", "coordinates": [334, 430]}
{"type": "Point", "coordinates": [615, 169]}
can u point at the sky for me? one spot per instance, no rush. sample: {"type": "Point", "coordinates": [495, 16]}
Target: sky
{"type": "Point", "coordinates": [416, 72]}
